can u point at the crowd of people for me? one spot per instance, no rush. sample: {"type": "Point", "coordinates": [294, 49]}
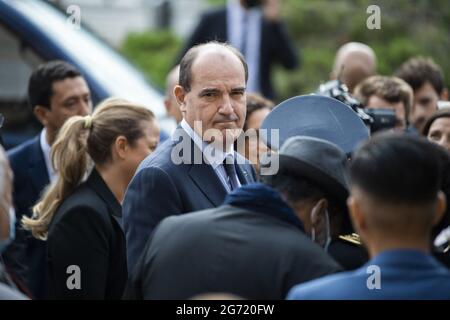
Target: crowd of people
{"type": "Point", "coordinates": [96, 207]}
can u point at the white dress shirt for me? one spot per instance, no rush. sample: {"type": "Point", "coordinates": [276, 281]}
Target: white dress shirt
{"type": "Point", "coordinates": [214, 157]}
{"type": "Point", "coordinates": [46, 150]}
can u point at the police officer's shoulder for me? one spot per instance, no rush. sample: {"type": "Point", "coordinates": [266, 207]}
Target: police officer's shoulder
{"type": "Point", "coordinates": [348, 251]}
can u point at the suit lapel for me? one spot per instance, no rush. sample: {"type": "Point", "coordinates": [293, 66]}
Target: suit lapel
{"type": "Point", "coordinates": [208, 182]}
{"type": "Point", "coordinates": [98, 185]}
{"type": "Point", "coordinates": [202, 174]}
{"type": "Point", "coordinates": [37, 170]}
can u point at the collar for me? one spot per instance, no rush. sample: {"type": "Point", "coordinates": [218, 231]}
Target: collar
{"type": "Point", "coordinates": [46, 150]}
{"type": "Point", "coordinates": [96, 182]}
{"type": "Point", "coordinates": [263, 199]}
{"type": "Point", "coordinates": [405, 258]}
{"type": "Point", "coordinates": [213, 156]}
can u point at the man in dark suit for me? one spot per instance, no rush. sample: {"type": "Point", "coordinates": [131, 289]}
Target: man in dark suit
{"type": "Point", "coordinates": [257, 244]}
{"type": "Point", "coordinates": [255, 28]}
{"type": "Point", "coordinates": [189, 171]}
{"type": "Point", "coordinates": [395, 202]}
{"type": "Point", "coordinates": [56, 91]}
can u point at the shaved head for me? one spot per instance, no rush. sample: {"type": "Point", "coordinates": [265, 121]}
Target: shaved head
{"type": "Point", "coordinates": [354, 62]}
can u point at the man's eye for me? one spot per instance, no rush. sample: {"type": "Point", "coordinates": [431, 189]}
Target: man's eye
{"type": "Point", "coordinates": [435, 136]}
{"type": "Point", "coordinates": [70, 103]}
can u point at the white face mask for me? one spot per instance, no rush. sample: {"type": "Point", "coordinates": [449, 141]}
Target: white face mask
{"type": "Point", "coordinates": [12, 230]}
{"type": "Point", "coordinates": [327, 231]}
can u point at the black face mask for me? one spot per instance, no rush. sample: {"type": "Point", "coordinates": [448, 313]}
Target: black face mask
{"type": "Point", "coordinates": [253, 3]}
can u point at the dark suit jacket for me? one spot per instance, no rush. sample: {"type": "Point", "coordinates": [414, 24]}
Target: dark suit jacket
{"type": "Point", "coordinates": [276, 47]}
{"type": "Point", "coordinates": [403, 274]}
{"type": "Point", "coordinates": [226, 249]}
{"type": "Point", "coordinates": [162, 188]}
{"type": "Point", "coordinates": [86, 232]}
{"type": "Point", "coordinates": [25, 257]}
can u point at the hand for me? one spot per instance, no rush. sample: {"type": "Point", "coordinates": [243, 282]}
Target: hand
{"type": "Point", "coordinates": [271, 9]}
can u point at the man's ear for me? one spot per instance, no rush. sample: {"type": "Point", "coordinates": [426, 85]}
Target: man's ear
{"type": "Point", "coordinates": [180, 95]}
{"type": "Point", "coordinates": [41, 114]}
{"type": "Point", "coordinates": [121, 147]}
{"type": "Point", "coordinates": [441, 206]}
{"type": "Point", "coordinates": [356, 215]}
{"type": "Point", "coordinates": [318, 213]}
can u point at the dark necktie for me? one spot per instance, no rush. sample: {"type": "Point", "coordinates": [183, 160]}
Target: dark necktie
{"type": "Point", "coordinates": [230, 170]}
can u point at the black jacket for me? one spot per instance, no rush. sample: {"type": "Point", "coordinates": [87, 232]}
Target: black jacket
{"type": "Point", "coordinates": [25, 258]}
{"type": "Point", "coordinates": [86, 233]}
{"type": "Point", "coordinates": [276, 47]}
{"type": "Point", "coordinates": [228, 249]}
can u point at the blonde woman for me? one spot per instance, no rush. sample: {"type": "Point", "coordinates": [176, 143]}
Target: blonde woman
{"type": "Point", "coordinates": [81, 220]}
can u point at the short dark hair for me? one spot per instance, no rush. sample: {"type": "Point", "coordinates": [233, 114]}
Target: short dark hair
{"type": "Point", "coordinates": [190, 56]}
{"type": "Point", "coordinates": [442, 113]}
{"type": "Point", "coordinates": [391, 89]}
{"type": "Point", "coordinates": [256, 102]}
{"type": "Point", "coordinates": [417, 71]}
{"type": "Point", "coordinates": [42, 79]}
{"type": "Point", "coordinates": [398, 169]}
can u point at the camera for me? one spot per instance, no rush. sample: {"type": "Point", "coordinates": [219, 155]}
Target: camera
{"type": "Point", "coordinates": [375, 119]}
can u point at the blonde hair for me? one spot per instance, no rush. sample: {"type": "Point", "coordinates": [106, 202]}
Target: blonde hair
{"type": "Point", "coordinates": [82, 142]}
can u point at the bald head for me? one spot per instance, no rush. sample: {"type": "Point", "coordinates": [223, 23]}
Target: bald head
{"type": "Point", "coordinates": [170, 101]}
{"type": "Point", "coordinates": [172, 80]}
{"type": "Point", "coordinates": [354, 62]}
{"type": "Point", "coordinates": [204, 51]}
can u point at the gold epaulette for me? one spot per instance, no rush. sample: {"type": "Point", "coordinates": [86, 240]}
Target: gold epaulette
{"type": "Point", "coordinates": [352, 238]}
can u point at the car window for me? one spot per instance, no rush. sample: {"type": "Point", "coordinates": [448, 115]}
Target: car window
{"type": "Point", "coordinates": [16, 64]}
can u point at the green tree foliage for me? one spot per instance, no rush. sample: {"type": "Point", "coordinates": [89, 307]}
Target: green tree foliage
{"type": "Point", "coordinates": [319, 28]}
{"type": "Point", "coordinates": [153, 52]}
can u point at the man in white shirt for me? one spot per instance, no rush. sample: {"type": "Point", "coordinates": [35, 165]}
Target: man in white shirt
{"type": "Point", "coordinates": [56, 91]}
